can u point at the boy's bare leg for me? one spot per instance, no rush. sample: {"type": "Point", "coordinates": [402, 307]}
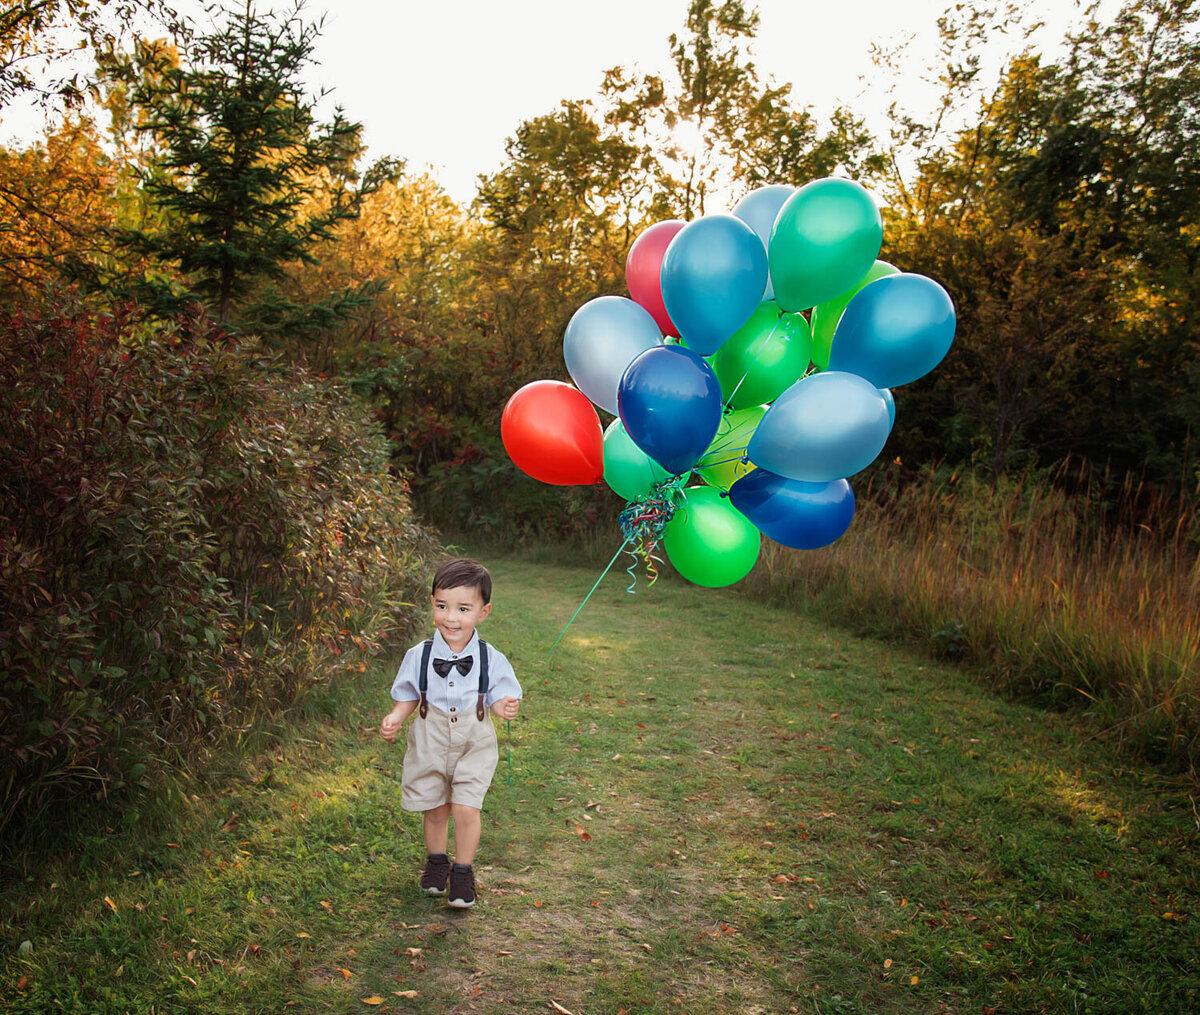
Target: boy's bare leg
{"type": "Point", "coordinates": [437, 822]}
{"type": "Point", "coordinates": [467, 826]}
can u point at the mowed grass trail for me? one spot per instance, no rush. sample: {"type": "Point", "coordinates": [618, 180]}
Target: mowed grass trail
{"type": "Point", "coordinates": [716, 805]}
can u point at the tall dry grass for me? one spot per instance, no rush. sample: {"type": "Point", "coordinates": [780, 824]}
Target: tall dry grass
{"type": "Point", "coordinates": [1024, 580]}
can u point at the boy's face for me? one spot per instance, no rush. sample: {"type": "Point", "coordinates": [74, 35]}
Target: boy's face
{"type": "Point", "coordinates": [456, 612]}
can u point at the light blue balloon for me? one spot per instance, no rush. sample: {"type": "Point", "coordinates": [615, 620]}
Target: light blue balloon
{"type": "Point", "coordinates": [891, 404]}
{"type": "Point", "coordinates": [602, 338]}
{"type": "Point", "coordinates": [894, 330]}
{"type": "Point", "coordinates": [712, 279]}
{"type": "Point", "coordinates": [826, 426]}
{"type": "Point", "coordinates": [758, 210]}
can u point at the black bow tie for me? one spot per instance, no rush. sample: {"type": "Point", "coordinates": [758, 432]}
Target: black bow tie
{"type": "Point", "coordinates": [442, 667]}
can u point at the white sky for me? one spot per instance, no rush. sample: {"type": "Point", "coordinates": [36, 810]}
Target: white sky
{"type": "Point", "coordinates": [443, 83]}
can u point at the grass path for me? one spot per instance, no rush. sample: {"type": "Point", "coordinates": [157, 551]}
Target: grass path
{"type": "Point", "coordinates": [716, 806]}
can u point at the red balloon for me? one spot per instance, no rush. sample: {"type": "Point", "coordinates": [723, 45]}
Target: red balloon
{"type": "Point", "coordinates": [642, 269]}
{"type": "Point", "coordinates": [552, 433]}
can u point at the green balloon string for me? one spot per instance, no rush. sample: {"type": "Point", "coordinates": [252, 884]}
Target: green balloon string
{"type": "Point", "coordinates": [620, 550]}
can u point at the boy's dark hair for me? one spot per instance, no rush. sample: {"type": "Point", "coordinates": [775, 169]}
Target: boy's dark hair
{"type": "Point", "coordinates": [459, 573]}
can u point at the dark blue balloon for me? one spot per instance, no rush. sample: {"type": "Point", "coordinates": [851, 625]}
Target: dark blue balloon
{"type": "Point", "coordinates": [669, 400]}
{"type": "Point", "coordinates": [794, 513]}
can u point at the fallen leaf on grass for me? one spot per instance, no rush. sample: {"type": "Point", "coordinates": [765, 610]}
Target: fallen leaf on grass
{"type": "Point", "coordinates": [887, 963]}
{"type": "Point", "coordinates": [414, 952]}
{"type": "Point", "coordinates": [230, 822]}
{"type": "Point", "coordinates": [914, 981]}
{"type": "Point", "coordinates": [22, 982]}
{"type": "Point", "coordinates": [346, 974]}
{"type": "Point", "coordinates": [410, 994]}
{"type": "Point", "coordinates": [327, 905]}
{"type": "Point", "coordinates": [109, 902]}
{"type": "Point", "coordinates": [559, 1008]}
{"type": "Point", "coordinates": [303, 934]}
{"type": "Point", "coordinates": [373, 1000]}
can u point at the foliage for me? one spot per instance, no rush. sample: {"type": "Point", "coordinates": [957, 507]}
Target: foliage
{"type": "Point", "coordinates": [35, 36]}
{"type": "Point", "coordinates": [56, 207]}
{"type": "Point", "coordinates": [240, 151]}
{"type": "Point", "coordinates": [193, 537]}
{"type": "Point", "coordinates": [1063, 220]}
{"type": "Point", "coordinates": [717, 130]}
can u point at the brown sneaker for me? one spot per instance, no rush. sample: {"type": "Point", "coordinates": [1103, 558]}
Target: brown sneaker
{"type": "Point", "coordinates": [462, 886]}
{"type": "Point", "coordinates": [436, 874]}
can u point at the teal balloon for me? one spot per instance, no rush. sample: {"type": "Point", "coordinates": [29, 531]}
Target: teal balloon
{"type": "Point", "coordinates": [712, 279]}
{"type": "Point", "coordinates": [628, 470]}
{"type": "Point", "coordinates": [895, 330]}
{"type": "Point", "coordinates": [708, 540]}
{"type": "Point", "coordinates": [826, 426]}
{"type": "Point", "coordinates": [825, 238]}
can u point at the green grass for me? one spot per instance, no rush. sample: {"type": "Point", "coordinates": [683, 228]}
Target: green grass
{"type": "Point", "coordinates": [717, 805]}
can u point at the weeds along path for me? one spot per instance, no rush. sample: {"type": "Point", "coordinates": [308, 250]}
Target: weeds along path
{"type": "Point", "coordinates": [715, 806]}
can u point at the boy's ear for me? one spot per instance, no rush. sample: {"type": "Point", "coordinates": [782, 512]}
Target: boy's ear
{"type": "Point", "coordinates": [487, 608]}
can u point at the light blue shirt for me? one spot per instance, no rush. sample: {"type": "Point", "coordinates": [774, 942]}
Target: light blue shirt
{"type": "Point", "coordinates": [455, 693]}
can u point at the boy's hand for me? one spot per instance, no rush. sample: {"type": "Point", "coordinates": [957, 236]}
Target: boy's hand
{"type": "Point", "coordinates": [387, 728]}
{"type": "Point", "coordinates": [507, 708]}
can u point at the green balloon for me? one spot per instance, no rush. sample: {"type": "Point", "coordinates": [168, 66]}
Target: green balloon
{"type": "Point", "coordinates": [764, 357]}
{"type": "Point", "coordinates": [825, 316]}
{"type": "Point", "coordinates": [824, 239]}
{"type": "Point", "coordinates": [628, 470]}
{"type": "Point", "coordinates": [708, 540]}
{"type": "Point", "coordinates": [721, 465]}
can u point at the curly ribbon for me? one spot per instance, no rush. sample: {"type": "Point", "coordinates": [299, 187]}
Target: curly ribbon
{"type": "Point", "coordinates": [643, 523]}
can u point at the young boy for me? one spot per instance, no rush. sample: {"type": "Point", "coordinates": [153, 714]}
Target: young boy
{"type": "Point", "coordinates": [452, 753]}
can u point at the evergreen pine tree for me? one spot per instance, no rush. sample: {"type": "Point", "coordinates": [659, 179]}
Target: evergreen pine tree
{"type": "Point", "coordinates": [242, 153]}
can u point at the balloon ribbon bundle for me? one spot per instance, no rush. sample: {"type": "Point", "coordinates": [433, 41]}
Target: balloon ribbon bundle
{"type": "Point", "coordinates": [643, 522]}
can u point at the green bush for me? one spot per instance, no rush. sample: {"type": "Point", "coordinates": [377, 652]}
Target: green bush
{"type": "Point", "coordinates": [481, 493]}
{"type": "Point", "coordinates": [192, 537]}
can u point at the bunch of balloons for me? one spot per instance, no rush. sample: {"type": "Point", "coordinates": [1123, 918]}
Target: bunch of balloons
{"type": "Point", "coordinates": [749, 374]}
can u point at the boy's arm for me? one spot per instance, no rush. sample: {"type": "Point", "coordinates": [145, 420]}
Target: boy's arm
{"type": "Point", "coordinates": [395, 719]}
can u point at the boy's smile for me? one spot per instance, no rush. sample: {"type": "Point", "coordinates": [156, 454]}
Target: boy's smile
{"type": "Point", "coordinates": [456, 612]}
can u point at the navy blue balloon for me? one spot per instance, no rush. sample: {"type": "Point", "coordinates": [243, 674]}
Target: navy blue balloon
{"type": "Point", "coordinates": [669, 400]}
{"type": "Point", "coordinates": [794, 513]}
{"type": "Point", "coordinates": [712, 279]}
{"type": "Point", "coordinates": [894, 330]}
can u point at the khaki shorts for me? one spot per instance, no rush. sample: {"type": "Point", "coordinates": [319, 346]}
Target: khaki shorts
{"type": "Point", "coordinates": [448, 759]}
